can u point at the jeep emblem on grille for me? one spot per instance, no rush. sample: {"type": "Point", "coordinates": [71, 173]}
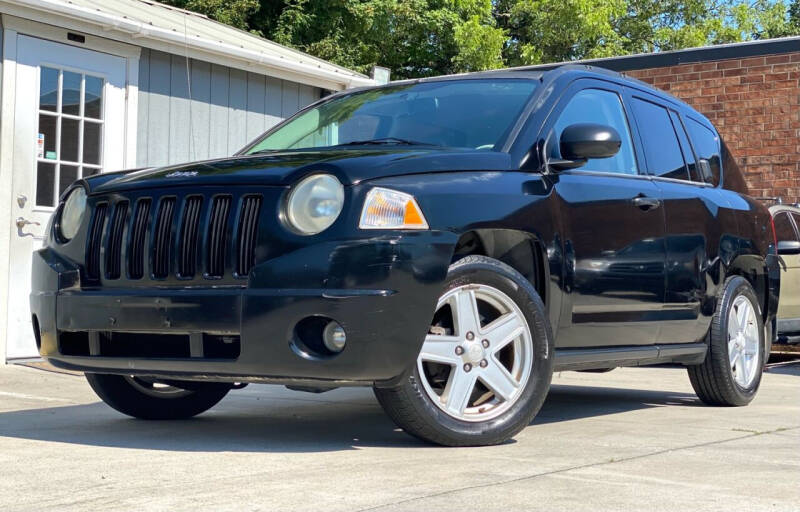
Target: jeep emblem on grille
{"type": "Point", "coordinates": [182, 174]}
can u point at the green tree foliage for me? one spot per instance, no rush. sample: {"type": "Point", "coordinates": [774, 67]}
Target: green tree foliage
{"type": "Point", "coordinates": [430, 37]}
{"type": "Point", "coordinates": [231, 12]}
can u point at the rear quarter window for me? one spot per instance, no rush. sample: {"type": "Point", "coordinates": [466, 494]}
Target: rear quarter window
{"type": "Point", "coordinates": [707, 146]}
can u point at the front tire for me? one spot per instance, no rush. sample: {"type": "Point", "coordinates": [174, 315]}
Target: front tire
{"type": "Point", "coordinates": [149, 400]}
{"type": "Point", "coordinates": [485, 367]}
{"type": "Point", "coordinates": [731, 372]}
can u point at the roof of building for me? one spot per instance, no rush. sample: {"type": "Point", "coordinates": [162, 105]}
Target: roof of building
{"type": "Point", "coordinates": [150, 24]}
{"type": "Point", "coordinates": [688, 55]}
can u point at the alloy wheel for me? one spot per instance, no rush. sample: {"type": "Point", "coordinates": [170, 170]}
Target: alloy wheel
{"type": "Point", "coordinates": [477, 356]}
{"type": "Point", "coordinates": [743, 340]}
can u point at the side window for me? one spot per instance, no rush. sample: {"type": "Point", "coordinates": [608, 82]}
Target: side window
{"type": "Point", "coordinates": [706, 145]}
{"type": "Point", "coordinates": [783, 227]}
{"type": "Point", "coordinates": [796, 218]}
{"type": "Point", "coordinates": [600, 107]}
{"type": "Point", "coordinates": [661, 148]}
{"type": "Point", "coordinates": [688, 156]}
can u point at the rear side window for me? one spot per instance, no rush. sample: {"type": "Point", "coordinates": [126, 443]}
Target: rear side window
{"type": "Point", "coordinates": [783, 228]}
{"type": "Point", "coordinates": [688, 156]}
{"type": "Point", "coordinates": [661, 148]}
{"type": "Point", "coordinates": [706, 145]}
{"type": "Point", "coordinates": [796, 218]}
{"type": "Point", "coordinates": [601, 107]}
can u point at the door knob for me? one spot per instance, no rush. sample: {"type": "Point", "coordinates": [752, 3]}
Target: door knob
{"type": "Point", "coordinates": [21, 223]}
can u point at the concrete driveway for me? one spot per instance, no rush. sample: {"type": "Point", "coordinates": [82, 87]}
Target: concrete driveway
{"type": "Point", "coordinates": [633, 439]}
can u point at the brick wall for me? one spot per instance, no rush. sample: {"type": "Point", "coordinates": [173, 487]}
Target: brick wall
{"type": "Point", "coordinates": [755, 104]}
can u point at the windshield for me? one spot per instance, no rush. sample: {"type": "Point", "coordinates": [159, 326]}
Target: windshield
{"type": "Point", "coordinates": [473, 113]}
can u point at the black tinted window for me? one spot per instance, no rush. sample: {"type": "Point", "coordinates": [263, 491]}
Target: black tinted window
{"type": "Point", "coordinates": [599, 107]}
{"type": "Point", "coordinates": [796, 218]}
{"type": "Point", "coordinates": [661, 148]}
{"type": "Point", "coordinates": [688, 155]}
{"type": "Point", "coordinates": [706, 145]}
{"type": "Point", "coordinates": [783, 228]}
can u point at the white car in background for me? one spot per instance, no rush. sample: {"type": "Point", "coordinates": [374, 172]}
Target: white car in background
{"type": "Point", "coordinates": [787, 230]}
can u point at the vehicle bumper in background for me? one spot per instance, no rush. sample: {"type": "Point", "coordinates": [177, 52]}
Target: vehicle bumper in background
{"type": "Point", "coordinates": [773, 292]}
{"type": "Point", "coordinates": [382, 291]}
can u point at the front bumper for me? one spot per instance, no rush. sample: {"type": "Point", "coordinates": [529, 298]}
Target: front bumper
{"type": "Point", "coordinates": [382, 290]}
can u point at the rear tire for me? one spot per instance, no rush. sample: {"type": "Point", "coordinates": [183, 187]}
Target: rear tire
{"type": "Point", "coordinates": [731, 372]}
{"type": "Point", "coordinates": [144, 399]}
{"type": "Point", "coordinates": [486, 364]}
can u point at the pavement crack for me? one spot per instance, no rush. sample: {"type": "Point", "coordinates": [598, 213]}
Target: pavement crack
{"type": "Point", "coordinates": [534, 476]}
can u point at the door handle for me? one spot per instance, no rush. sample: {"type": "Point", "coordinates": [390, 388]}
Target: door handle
{"type": "Point", "coordinates": [646, 203]}
{"type": "Point", "coordinates": [21, 223]}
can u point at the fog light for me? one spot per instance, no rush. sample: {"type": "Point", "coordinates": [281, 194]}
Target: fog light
{"type": "Point", "coordinates": [334, 337]}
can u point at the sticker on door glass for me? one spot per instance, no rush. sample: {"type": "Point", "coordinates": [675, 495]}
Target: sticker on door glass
{"type": "Point", "coordinates": [40, 146]}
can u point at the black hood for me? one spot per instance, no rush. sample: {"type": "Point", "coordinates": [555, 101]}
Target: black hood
{"type": "Point", "coordinates": [351, 166]}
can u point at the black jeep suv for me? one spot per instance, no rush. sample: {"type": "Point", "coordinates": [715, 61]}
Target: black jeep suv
{"type": "Point", "coordinates": [448, 241]}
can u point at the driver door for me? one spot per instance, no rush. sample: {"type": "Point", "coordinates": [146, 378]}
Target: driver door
{"type": "Point", "coordinates": [613, 229]}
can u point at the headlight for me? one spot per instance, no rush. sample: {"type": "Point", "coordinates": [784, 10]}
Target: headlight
{"type": "Point", "coordinates": [72, 213]}
{"type": "Point", "coordinates": [389, 209]}
{"type": "Point", "coordinates": [315, 203]}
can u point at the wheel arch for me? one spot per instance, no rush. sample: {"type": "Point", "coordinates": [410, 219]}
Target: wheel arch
{"type": "Point", "coordinates": [522, 251]}
{"type": "Point", "coordinates": [753, 268]}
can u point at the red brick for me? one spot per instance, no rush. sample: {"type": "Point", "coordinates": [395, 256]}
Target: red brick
{"type": "Point", "coordinates": [753, 61]}
{"type": "Point", "coordinates": [735, 72]}
{"type": "Point", "coordinates": [708, 91]}
{"type": "Point", "coordinates": [777, 76]}
{"type": "Point", "coordinates": [779, 68]}
{"type": "Point", "coordinates": [688, 76]}
{"type": "Point", "coordinates": [711, 74]}
{"type": "Point", "coordinates": [778, 59]}
{"type": "Point", "coordinates": [735, 88]}
{"type": "Point", "coordinates": [752, 79]}
{"type": "Point", "coordinates": [705, 66]}
{"type": "Point", "coordinates": [729, 64]}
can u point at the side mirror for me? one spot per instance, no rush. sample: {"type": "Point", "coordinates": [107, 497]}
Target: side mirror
{"type": "Point", "coordinates": [786, 247]}
{"type": "Point", "coordinates": [582, 141]}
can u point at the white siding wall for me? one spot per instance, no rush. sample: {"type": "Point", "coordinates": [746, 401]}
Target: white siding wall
{"type": "Point", "coordinates": [226, 109]}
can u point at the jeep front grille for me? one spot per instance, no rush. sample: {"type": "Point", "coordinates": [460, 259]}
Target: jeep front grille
{"type": "Point", "coordinates": [137, 239]}
{"type": "Point", "coordinates": [218, 236]}
{"type": "Point", "coordinates": [162, 239]}
{"type": "Point", "coordinates": [95, 241]}
{"type": "Point", "coordinates": [173, 237]}
{"type": "Point", "coordinates": [114, 248]}
{"type": "Point", "coordinates": [187, 260]}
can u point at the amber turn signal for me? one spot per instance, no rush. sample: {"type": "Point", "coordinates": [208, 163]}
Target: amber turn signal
{"type": "Point", "coordinates": [390, 209]}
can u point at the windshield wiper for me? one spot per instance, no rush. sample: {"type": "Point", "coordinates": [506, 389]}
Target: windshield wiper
{"type": "Point", "coordinates": [387, 140]}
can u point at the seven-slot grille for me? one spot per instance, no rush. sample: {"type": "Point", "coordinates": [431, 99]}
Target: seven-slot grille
{"type": "Point", "coordinates": [127, 234]}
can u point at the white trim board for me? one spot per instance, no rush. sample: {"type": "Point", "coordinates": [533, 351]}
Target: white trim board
{"type": "Point", "coordinates": [6, 166]}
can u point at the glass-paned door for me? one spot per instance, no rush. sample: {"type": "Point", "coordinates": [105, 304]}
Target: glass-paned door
{"type": "Point", "coordinates": [69, 122]}
{"type": "Point", "coordinates": [70, 134]}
